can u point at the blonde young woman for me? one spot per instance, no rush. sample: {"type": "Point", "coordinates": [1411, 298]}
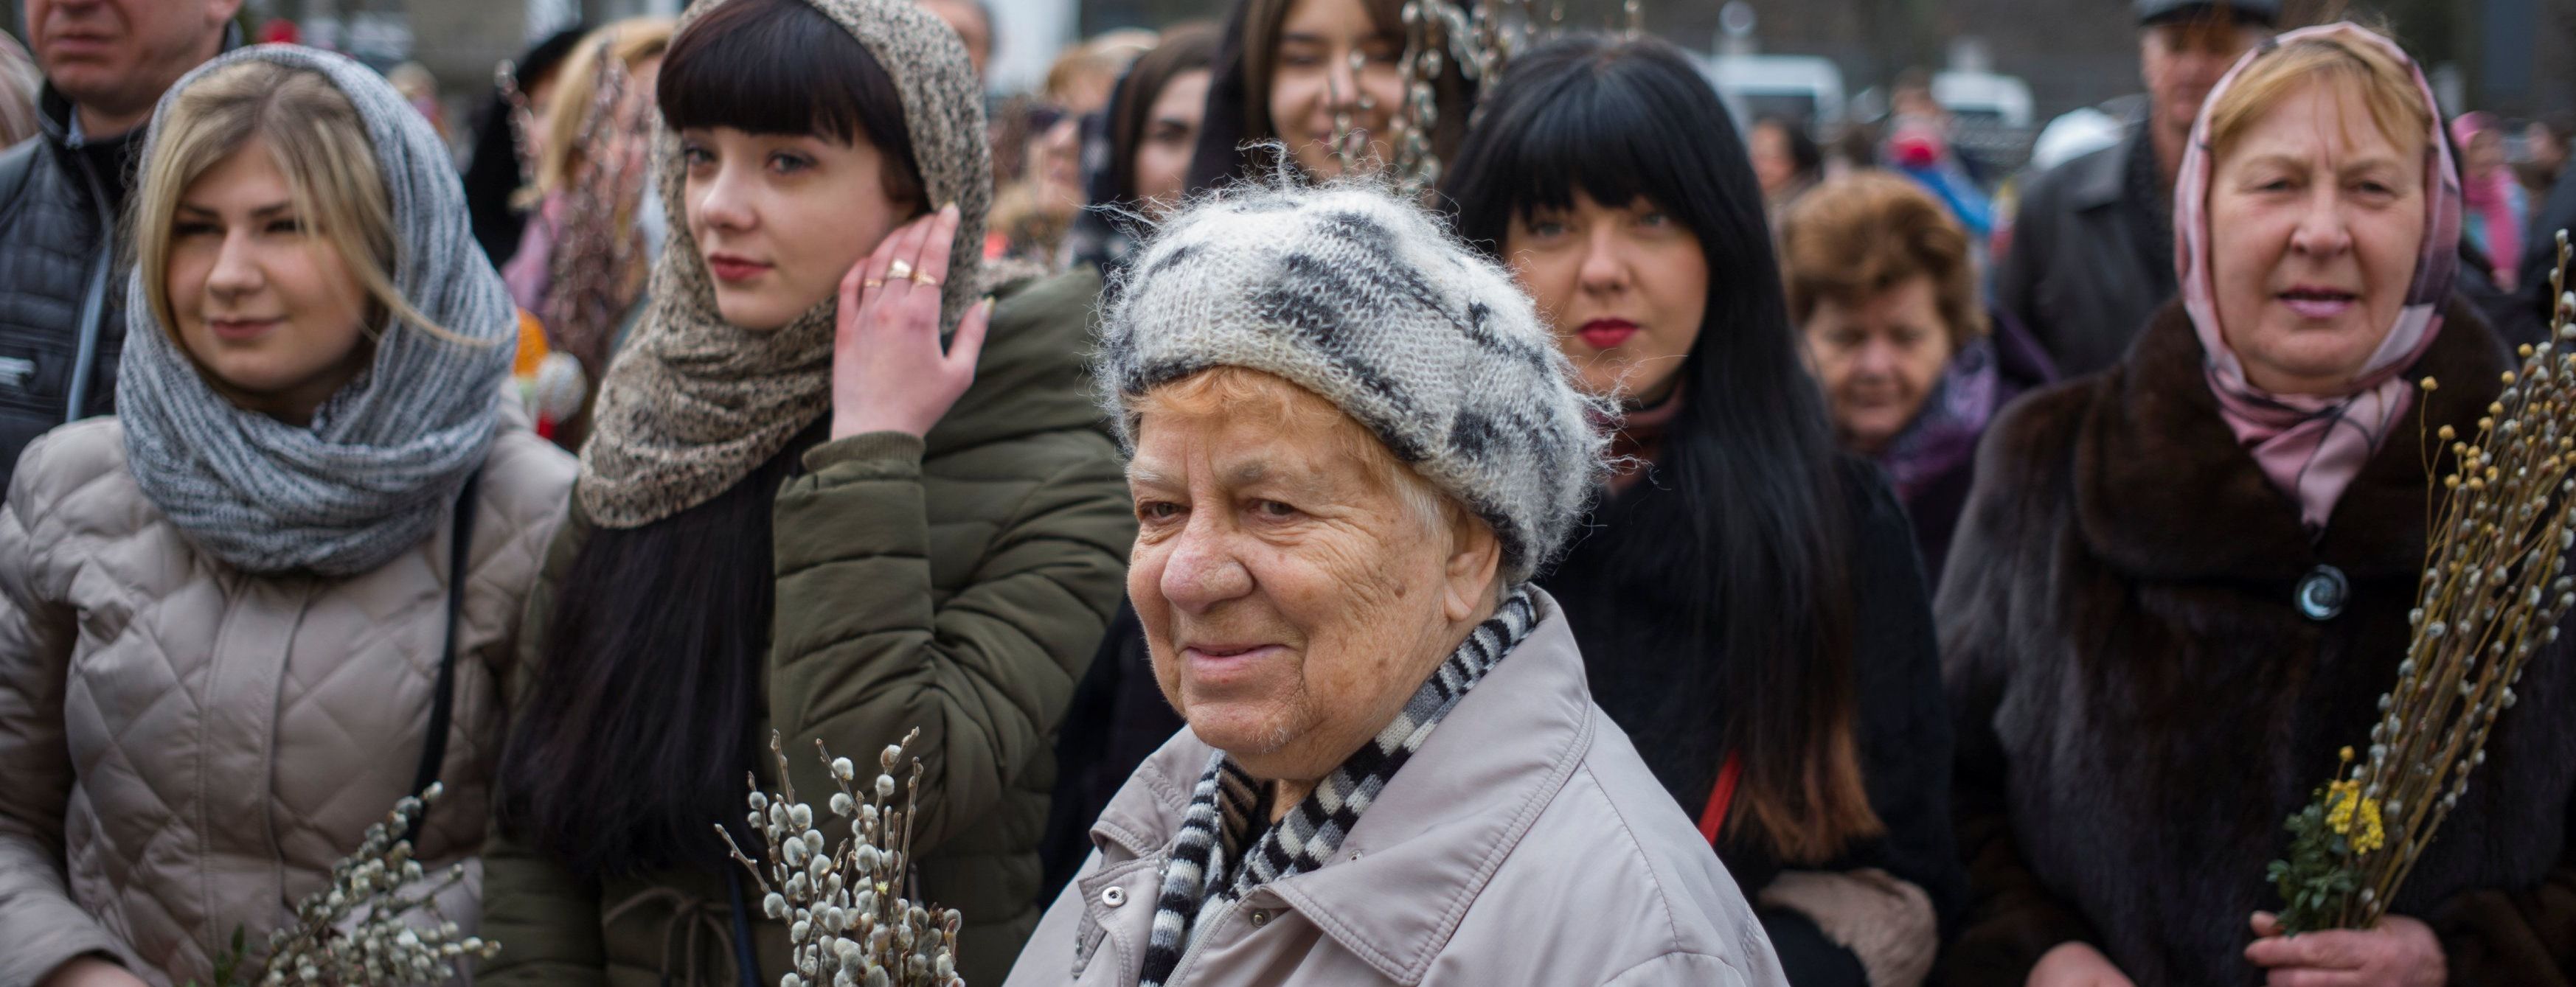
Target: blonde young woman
{"type": "Point", "coordinates": [274, 595]}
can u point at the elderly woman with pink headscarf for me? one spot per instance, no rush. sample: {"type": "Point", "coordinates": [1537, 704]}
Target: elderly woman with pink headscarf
{"type": "Point", "coordinates": [2492, 221]}
{"type": "Point", "coordinates": [2181, 584]}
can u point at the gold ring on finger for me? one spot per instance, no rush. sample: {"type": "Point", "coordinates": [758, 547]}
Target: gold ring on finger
{"type": "Point", "coordinates": [924, 278]}
{"type": "Point", "coordinates": [902, 269]}
{"type": "Point", "coordinates": [872, 283]}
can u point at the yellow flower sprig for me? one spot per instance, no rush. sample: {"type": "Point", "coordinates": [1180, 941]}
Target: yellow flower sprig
{"type": "Point", "coordinates": [2352, 810]}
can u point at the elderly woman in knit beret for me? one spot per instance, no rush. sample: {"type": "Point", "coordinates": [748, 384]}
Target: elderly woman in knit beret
{"type": "Point", "coordinates": [1351, 443]}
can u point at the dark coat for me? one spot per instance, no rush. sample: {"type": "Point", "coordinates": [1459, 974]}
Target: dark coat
{"type": "Point", "coordinates": [1934, 505]}
{"type": "Point", "coordinates": [62, 317]}
{"type": "Point", "coordinates": [62, 272]}
{"type": "Point", "coordinates": [2140, 703]}
{"type": "Point", "coordinates": [1622, 617]}
{"type": "Point", "coordinates": [2082, 272]}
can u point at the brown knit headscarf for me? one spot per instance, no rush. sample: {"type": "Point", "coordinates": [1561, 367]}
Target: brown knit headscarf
{"type": "Point", "coordinates": [694, 403]}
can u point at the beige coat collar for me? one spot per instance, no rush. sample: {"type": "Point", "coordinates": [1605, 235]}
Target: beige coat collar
{"type": "Point", "coordinates": [1424, 851]}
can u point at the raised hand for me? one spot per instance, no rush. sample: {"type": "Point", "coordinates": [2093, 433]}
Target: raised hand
{"type": "Point", "coordinates": [888, 371]}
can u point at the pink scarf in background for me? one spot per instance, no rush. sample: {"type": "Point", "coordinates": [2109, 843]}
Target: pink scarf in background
{"type": "Point", "coordinates": [2313, 446]}
{"type": "Point", "coordinates": [2491, 198]}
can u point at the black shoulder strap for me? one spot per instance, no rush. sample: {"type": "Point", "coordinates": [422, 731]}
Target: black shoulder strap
{"type": "Point", "coordinates": [442, 703]}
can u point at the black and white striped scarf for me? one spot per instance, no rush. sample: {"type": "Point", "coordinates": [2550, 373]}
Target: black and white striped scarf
{"type": "Point", "coordinates": [1218, 857]}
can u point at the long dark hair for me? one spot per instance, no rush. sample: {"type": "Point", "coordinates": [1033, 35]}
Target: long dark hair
{"type": "Point", "coordinates": [637, 730]}
{"type": "Point", "coordinates": [1713, 603]}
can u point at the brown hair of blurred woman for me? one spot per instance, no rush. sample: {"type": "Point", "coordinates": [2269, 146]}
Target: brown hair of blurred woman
{"type": "Point", "coordinates": [1875, 232]}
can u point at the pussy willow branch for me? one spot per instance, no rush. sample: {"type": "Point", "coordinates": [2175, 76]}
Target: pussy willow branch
{"type": "Point", "coordinates": [2494, 590]}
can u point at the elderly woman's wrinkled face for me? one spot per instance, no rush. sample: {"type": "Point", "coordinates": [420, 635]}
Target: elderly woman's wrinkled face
{"type": "Point", "coordinates": [2316, 218]}
{"type": "Point", "coordinates": [1295, 586]}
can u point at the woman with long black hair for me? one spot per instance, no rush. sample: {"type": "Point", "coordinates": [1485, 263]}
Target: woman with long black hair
{"type": "Point", "coordinates": [1749, 603]}
{"type": "Point", "coordinates": [820, 498]}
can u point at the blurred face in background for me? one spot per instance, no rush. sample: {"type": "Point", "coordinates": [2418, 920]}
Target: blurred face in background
{"type": "Point", "coordinates": [114, 58]}
{"type": "Point", "coordinates": [1171, 137]}
{"type": "Point", "coordinates": [1312, 81]}
{"type": "Point", "coordinates": [1878, 358]}
{"type": "Point", "coordinates": [2547, 147]}
{"type": "Point", "coordinates": [2183, 60]}
{"type": "Point", "coordinates": [1773, 164]}
{"type": "Point", "coordinates": [2484, 154]}
{"type": "Point", "coordinates": [1625, 288]}
{"type": "Point", "coordinates": [1055, 154]}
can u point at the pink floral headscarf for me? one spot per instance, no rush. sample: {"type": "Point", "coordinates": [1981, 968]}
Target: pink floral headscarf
{"type": "Point", "coordinates": [2313, 446]}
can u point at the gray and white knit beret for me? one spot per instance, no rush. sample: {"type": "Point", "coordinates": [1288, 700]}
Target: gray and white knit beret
{"type": "Point", "coordinates": [1374, 305]}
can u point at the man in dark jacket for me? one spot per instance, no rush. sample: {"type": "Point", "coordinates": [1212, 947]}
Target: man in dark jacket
{"type": "Point", "coordinates": [2091, 251]}
{"type": "Point", "coordinates": [62, 321]}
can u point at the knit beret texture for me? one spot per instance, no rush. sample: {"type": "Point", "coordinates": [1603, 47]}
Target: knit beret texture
{"type": "Point", "coordinates": [1374, 305]}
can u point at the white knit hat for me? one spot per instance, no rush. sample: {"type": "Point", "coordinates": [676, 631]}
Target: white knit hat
{"type": "Point", "coordinates": [1373, 304]}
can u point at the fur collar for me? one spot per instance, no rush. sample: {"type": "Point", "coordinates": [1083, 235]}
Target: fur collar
{"type": "Point", "coordinates": [2163, 490]}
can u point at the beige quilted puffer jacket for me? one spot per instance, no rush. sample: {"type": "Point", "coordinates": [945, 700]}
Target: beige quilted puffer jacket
{"type": "Point", "coordinates": [186, 749]}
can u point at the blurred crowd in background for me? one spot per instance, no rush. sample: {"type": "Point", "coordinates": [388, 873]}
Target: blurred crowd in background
{"type": "Point", "coordinates": [1998, 532]}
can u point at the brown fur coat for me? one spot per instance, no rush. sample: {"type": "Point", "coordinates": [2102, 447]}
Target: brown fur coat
{"type": "Point", "coordinates": [2140, 702]}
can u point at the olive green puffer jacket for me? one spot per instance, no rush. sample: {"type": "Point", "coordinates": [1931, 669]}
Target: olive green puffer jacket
{"type": "Point", "coordinates": [957, 583]}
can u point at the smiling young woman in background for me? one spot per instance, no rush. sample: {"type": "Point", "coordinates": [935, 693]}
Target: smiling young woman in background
{"type": "Point", "coordinates": [1289, 68]}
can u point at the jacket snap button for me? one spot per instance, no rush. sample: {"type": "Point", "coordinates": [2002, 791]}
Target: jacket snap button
{"type": "Point", "coordinates": [2323, 592]}
{"type": "Point", "coordinates": [1113, 896]}
{"type": "Point", "coordinates": [1260, 917]}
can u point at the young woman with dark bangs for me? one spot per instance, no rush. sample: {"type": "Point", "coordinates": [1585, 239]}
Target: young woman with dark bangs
{"type": "Point", "coordinates": [808, 506]}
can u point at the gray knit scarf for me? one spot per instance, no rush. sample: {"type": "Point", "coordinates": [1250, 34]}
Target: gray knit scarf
{"type": "Point", "coordinates": [368, 479]}
{"type": "Point", "coordinates": [1218, 857]}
